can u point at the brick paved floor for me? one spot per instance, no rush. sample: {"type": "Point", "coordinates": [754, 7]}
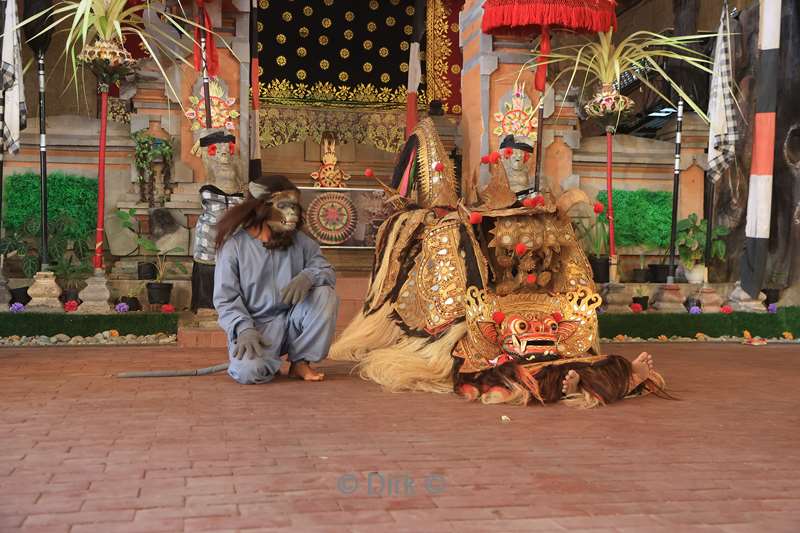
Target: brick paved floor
{"type": "Point", "coordinates": [81, 451]}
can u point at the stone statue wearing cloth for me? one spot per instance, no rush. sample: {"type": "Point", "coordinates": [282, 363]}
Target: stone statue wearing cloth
{"type": "Point", "coordinates": [273, 289]}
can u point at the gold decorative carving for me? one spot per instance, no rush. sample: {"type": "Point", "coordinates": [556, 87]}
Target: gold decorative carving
{"type": "Point", "coordinates": [384, 129]}
{"type": "Point", "coordinates": [329, 174]}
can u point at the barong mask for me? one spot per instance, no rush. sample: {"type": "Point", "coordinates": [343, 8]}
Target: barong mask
{"type": "Point", "coordinates": [527, 328]}
{"type": "Point", "coordinates": [285, 214]}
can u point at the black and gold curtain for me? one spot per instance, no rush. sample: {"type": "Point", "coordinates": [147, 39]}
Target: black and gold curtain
{"type": "Point", "coordinates": [335, 52]}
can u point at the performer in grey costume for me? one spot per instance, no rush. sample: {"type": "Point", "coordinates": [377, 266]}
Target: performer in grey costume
{"type": "Point", "coordinates": [273, 289]}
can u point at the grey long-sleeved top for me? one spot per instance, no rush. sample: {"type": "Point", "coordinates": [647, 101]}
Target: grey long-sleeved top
{"type": "Point", "coordinates": [248, 278]}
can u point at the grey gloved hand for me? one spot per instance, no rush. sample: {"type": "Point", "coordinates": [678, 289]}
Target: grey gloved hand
{"type": "Point", "coordinates": [250, 342]}
{"type": "Point", "coordinates": [297, 289]}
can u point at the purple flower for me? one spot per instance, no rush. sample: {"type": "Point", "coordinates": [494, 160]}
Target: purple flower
{"type": "Point", "coordinates": [122, 307]}
{"type": "Point", "coordinates": [694, 310]}
{"type": "Point", "coordinates": [772, 308]}
{"type": "Point", "coordinates": [16, 307]}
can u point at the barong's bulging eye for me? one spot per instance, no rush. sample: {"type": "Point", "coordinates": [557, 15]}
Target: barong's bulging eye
{"type": "Point", "coordinates": [518, 325]}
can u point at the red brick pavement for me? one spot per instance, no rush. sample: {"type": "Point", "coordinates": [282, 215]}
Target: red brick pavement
{"type": "Point", "coordinates": [81, 451]}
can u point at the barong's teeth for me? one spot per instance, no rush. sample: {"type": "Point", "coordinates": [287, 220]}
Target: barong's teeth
{"type": "Point", "coordinates": [523, 346]}
{"type": "Point", "coordinates": [515, 342]}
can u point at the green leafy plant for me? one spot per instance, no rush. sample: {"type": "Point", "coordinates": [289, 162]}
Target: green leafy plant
{"type": "Point", "coordinates": [24, 242]}
{"type": "Point", "coordinates": [163, 267]}
{"type": "Point", "coordinates": [71, 205]}
{"type": "Point", "coordinates": [641, 217]}
{"type": "Point", "coordinates": [691, 241]}
{"type": "Point", "coordinates": [70, 272]}
{"type": "Point", "coordinates": [135, 290]}
{"type": "Point", "coordinates": [641, 290]}
{"type": "Point", "coordinates": [149, 149]}
{"type": "Point", "coordinates": [594, 235]}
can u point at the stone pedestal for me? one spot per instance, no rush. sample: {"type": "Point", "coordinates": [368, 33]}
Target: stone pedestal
{"type": "Point", "coordinates": [669, 299]}
{"type": "Point", "coordinates": [617, 298]}
{"type": "Point", "coordinates": [44, 294]}
{"type": "Point", "coordinates": [710, 300]}
{"type": "Point", "coordinates": [96, 295]}
{"type": "Point", "coordinates": [207, 318]}
{"type": "Point", "coordinates": [5, 296]}
{"type": "Point", "coordinates": [739, 300]}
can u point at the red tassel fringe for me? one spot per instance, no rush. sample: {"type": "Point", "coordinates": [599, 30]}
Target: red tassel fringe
{"type": "Point", "coordinates": [519, 16]}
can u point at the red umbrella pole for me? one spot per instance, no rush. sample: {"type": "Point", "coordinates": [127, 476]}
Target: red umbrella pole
{"type": "Point", "coordinates": [101, 177]}
{"type": "Point", "coordinates": [612, 249]}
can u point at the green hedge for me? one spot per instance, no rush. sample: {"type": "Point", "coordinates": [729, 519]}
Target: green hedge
{"type": "Point", "coordinates": [72, 324]}
{"type": "Point", "coordinates": [641, 217]}
{"type": "Point", "coordinates": [651, 325]}
{"type": "Point", "coordinates": [68, 196]}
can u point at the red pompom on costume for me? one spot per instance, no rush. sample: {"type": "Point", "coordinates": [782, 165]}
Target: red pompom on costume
{"type": "Point", "coordinates": [475, 218]}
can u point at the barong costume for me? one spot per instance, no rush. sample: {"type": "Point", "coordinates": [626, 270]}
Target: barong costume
{"type": "Point", "coordinates": [492, 294]}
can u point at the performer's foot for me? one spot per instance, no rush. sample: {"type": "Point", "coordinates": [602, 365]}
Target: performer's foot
{"type": "Point", "coordinates": [302, 370]}
{"type": "Point", "coordinates": [496, 395]}
{"type": "Point", "coordinates": [469, 392]}
{"type": "Point", "coordinates": [642, 367]}
{"type": "Point", "coordinates": [570, 384]}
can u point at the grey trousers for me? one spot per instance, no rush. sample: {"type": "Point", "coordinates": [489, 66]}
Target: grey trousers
{"type": "Point", "coordinates": [304, 333]}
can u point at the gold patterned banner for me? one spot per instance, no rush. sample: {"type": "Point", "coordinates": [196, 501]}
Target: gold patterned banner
{"type": "Point", "coordinates": [335, 52]}
{"type": "Point", "coordinates": [383, 129]}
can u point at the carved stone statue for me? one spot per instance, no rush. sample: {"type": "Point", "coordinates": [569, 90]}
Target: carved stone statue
{"type": "Point", "coordinates": [516, 164]}
{"type": "Point", "coordinates": [218, 153]}
{"type": "Point", "coordinates": [222, 190]}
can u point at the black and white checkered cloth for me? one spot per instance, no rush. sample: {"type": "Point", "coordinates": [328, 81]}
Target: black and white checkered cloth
{"type": "Point", "coordinates": [723, 113]}
{"type": "Point", "coordinates": [205, 232]}
{"type": "Point", "coordinates": [12, 82]}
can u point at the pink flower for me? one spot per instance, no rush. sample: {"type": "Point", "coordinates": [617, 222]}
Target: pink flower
{"type": "Point", "coordinates": [636, 308]}
{"type": "Point", "coordinates": [598, 208]}
{"type": "Point", "coordinates": [475, 218]}
{"type": "Point", "coordinates": [369, 172]}
{"type": "Point", "coordinates": [71, 306]}
{"type": "Point", "coordinates": [438, 166]}
{"type": "Point", "coordinates": [167, 308]}
{"type": "Point", "coordinates": [726, 309]}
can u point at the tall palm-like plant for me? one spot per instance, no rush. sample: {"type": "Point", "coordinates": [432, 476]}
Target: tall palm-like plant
{"type": "Point", "coordinates": [600, 65]}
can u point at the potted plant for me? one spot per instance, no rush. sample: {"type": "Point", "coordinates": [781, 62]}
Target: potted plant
{"type": "Point", "coordinates": [640, 274]}
{"type": "Point", "coordinates": [659, 272]}
{"type": "Point", "coordinates": [131, 298]}
{"type": "Point", "coordinates": [158, 291]}
{"type": "Point", "coordinates": [595, 237]}
{"type": "Point", "coordinates": [641, 297]}
{"type": "Point", "coordinates": [772, 291]}
{"type": "Point", "coordinates": [692, 302]}
{"type": "Point", "coordinates": [70, 273]}
{"type": "Point", "coordinates": [145, 270]}
{"type": "Point", "coordinates": [691, 244]}
{"type": "Point", "coordinates": [151, 149]}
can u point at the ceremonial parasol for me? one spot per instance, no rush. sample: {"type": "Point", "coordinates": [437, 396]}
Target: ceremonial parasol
{"type": "Point", "coordinates": [535, 17]}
